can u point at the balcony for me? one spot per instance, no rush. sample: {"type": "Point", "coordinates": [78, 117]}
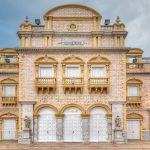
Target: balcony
{"type": "Point", "coordinates": [44, 84]}
{"type": "Point", "coordinates": [73, 84]}
{"type": "Point", "coordinates": [9, 67]}
{"type": "Point", "coordinates": [9, 101]}
{"type": "Point", "coordinates": [98, 84]}
{"type": "Point", "coordinates": [134, 65]}
{"type": "Point", "coordinates": [134, 101]}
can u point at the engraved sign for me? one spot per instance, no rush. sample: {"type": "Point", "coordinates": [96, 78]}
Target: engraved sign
{"type": "Point", "coordinates": [72, 43]}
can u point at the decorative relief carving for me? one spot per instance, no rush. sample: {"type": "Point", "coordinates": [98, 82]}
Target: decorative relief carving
{"type": "Point", "coordinates": [27, 122]}
{"type": "Point", "coordinates": [117, 122]}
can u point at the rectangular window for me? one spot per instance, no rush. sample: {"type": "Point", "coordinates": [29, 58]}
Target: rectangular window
{"type": "Point", "coordinates": [46, 71]}
{"type": "Point", "coordinates": [73, 71]}
{"type": "Point", "coordinates": [133, 90]}
{"type": "Point", "coordinates": [9, 91]}
{"type": "Point", "coordinates": [98, 71]}
{"type": "Point", "coordinates": [9, 59]}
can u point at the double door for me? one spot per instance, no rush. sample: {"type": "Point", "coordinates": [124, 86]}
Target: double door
{"type": "Point", "coordinates": [72, 128]}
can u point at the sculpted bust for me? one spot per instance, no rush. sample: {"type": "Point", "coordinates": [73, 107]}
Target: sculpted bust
{"type": "Point", "coordinates": [118, 122]}
{"type": "Point", "coordinates": [27, 122]}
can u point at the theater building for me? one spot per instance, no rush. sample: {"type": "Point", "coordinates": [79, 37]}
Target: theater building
{"type": "Point", "coordinates": [73, 79]}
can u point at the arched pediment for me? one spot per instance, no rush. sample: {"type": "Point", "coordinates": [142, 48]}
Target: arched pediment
{"type": "Point", "coordinates": [8, 115]}
{"type": "Point", "coordinates": [134, 116]}
{"type": "Point", "coordinates": [135, 51]}
{"type": "Point", "coordinates": [72, 10]}
{"type": "Point", "coordinates": [8, 50]}
{"type": "Point", "coordinates": [46, 60]}
{"type": "Point", "coordinates": [134, 81]}
{"type": "Point", "coordinates": [8, 81]}
{"type": "Point", "coordinates": [72, 60]}
{"type": "Point", "coordinates": [98, 60]}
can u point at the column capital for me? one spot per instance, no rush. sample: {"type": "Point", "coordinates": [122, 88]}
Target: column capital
{"type": "Point", "coordinates": [85, 116]}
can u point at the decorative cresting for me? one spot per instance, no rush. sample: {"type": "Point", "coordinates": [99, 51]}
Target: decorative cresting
{"type": "Point", "coordinates": [98, 84]}
{"type": "Point", "coordinates": [134, 101]}
{"type": "Point", "coordinates": [73, 83]}
{"type": "Point", "coordinates": [8, 115]}
{"type": "Point", "coordinates": [5, 63]}
{"type": "Point", "coordinates": [8, 100]}
{"type": "Point", "coordinates": [107, 108]}
{"type": "Point", "coordinates": [135, 53]}
{"type": "Point", "coordinates": [45, 83]}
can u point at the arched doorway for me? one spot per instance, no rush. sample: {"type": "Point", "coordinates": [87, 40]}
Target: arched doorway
{"type": "Point", "coordinates": [47, 125]}
{"type": "Point", "coordinates": [72, 125]}
{"type": "Point", "coordinates": [98, 125]}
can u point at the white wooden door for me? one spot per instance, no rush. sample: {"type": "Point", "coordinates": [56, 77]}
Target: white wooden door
{"type": "Point", "coordinates": [98, 125]}
{"type": "Point", "coordinates": [133, 129]}
{"type": "Point", "coordinates": [72, 125]}
{"type": "Point", "coordinates": [47, 126]}
{"type": "Point", "coordinates": [9, 129]}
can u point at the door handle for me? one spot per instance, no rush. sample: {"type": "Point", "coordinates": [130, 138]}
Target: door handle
{"type": "Point", "coordinates": [73, 132]}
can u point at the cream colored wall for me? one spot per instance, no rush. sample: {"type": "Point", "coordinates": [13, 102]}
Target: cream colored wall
{"type": "Point", "coordinates": [117, 80]}
{"type": "Point", "coordinates": [75, 11]}
{"type": "Point", "coordinates": [145, 78]}
{"type": "Point", "coordinates": [63, 26]}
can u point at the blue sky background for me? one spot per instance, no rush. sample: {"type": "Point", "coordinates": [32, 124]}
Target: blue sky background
{"type": "Point", "coordinates": [134, 13]}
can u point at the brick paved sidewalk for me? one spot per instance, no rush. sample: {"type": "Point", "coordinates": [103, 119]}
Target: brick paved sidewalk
{"type": "Point", "coordinates": [77, 146]}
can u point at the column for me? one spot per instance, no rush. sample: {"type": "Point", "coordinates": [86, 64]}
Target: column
{"type": "Point", "coordinates": [22, 41]}
{"type": "Point", "coordinates": [99, 41]}
{"type": "Point", "coordinates": [109, 125]}
{"type": "Point", "coordinates": [35, 129]}
{"type": "Point", "coordinates": [0, 129]}
{"type": "Point", "coordinates": [85, 128]}
{"type": "Point", "coordinates": [122, 41]}
{"type": "Point", "coordinates": [115, 40]}
{"type": "Point", "coordinates": [117, 130]}
{"type": "Point", "coordinates": [59, 126]}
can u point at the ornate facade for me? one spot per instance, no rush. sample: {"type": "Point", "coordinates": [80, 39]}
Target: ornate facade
{"type": "Point", "coordinates": [74, 80]}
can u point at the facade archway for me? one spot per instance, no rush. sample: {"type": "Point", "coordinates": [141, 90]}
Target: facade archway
{"type": "Point", "coordinates": [108, 110]}
{"type": "Point", "coordinates": [73, 105]}
{"type": "Point", "coordinates": [38, 108]}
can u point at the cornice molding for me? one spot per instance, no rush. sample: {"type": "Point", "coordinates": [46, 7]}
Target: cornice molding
{"type": "Point", "coordinates": [75, 49]}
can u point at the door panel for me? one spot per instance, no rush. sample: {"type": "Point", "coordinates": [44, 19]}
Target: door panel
{"type": "Point", "coordinates": [133, 129]}
{"type": "Point", "coordinates": [73, 128]}
{"type": "Point", "coordinates": [47, 126]}
{"type": "Point", "coordinates": [9, 129]}
{"type": "Point", "coordinates": [98, 125]}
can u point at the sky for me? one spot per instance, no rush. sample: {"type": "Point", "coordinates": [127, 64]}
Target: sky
{"type": "Point", "coordinates": [135, 14]}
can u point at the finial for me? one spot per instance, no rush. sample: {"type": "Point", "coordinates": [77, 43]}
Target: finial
{"type": "Point", "coordinates": [26, 19]}
{"type": "Point", "coordinates": [118, 19]}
